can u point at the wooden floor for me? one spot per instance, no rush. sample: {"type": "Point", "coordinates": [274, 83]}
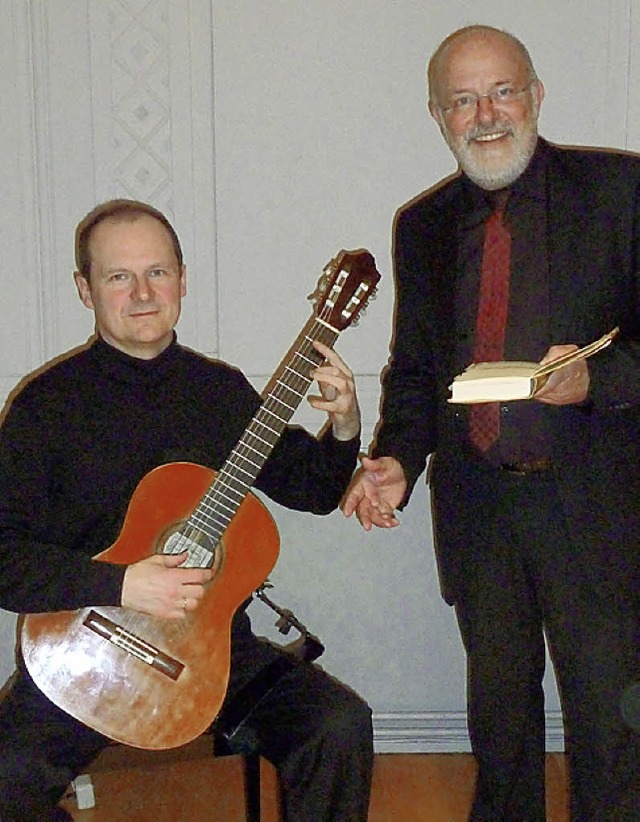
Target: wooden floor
{"type": "Point", "coordinates": [406, 788]}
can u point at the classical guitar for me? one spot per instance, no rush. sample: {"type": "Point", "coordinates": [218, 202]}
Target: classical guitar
{"type": "Point", "coordinates": [155, 683]}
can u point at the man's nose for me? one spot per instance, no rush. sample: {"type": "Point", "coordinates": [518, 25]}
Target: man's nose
{"type": "Point", "coordinates": [142, 288]}
{"type": "Point", "coordinates": [484, 108]}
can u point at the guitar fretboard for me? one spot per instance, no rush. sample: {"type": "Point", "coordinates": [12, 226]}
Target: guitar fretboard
{"type": "Point", "coordinates": [241, 468]}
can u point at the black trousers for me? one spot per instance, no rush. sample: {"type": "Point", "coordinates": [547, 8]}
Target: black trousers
{"type": "Point", "coordinates": [528, 580]}
{"type": "Point", "coordinates": [315, 731]}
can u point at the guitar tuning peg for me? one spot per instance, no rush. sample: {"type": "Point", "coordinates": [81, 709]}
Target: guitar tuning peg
{"type": "Point", "coordinates": [321, 287]}
{"type": "Point", "coordinates": [331, 267]}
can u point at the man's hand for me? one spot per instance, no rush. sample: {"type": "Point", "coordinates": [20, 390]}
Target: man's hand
{"type": "Point", "coordinates": [567, 385]}
{"type": "Point", "coordinates": [377, 488]}
{"type": "Point", "coordinates": [338, 390]}
{"type": "Point", "coordinates": [159, 587]}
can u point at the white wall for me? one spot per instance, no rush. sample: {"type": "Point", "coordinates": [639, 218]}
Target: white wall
{"type": "Point", "coordinates": [275, 134]}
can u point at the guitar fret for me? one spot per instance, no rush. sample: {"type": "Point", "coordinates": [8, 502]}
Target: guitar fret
{"type": "Point", "coordinates": [212, 511]}
{"type": "Point", "coordinates": [302, 365]}
{"type": "Point", "coordinates": [208, 509]}
{"type": "Point", "coordinates": [273, 414]}
{"type": "Point", "coordinates": [270, 414]}
{"type": "Point", "coordinates": [221, 508]}
{"type": "Point", "coordinates": [312, 350]}
{"type": "Point", "coordinates": [265, 429]}
{"type": "Point", "coordinates": [213, 516]}
{"type": "Point", "coordinates": [289, 409]}
{"type": "Point", "coordinates": [232, 480]}
{"type": "Point", "coordinates": [251, 448]}
{"type": "Point", "coordinates": [246, 452]}
{"type": "Point", "coordinates": [299, 375]}
{"type": "Point", "coordinates": [262, 419]}
{"type": "Point", "coordinates": [281, 398]}
{"type": "Point", "coordinates": [308, 360]}
{"type": "Point", "coordinates": [233, 484]}
{"type": "Point", "coordinates": [234, 496]}
{"type": "Point", "coordinates": [244, 471]}
{"type": "Point", "coordinates": [261, 439]}
{"type": "Point", "coordinates": [298, 394]}
{"type": "Point", "coordinates": [256, 465]}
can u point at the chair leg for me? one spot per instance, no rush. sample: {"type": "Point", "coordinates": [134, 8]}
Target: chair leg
{"type": "Point", "coordinates": [252, 786]}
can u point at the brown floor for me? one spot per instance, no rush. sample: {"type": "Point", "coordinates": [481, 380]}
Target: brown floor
{"type": "Point", "coordinates": [406, 788]}
{"type": "Point", "coordinates": [438, 788]}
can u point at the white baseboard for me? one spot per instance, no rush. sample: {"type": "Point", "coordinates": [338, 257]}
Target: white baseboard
{"type": "Point", "coordinates": [431, 732]}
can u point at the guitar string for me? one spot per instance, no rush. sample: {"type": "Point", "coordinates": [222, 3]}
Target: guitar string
{"type": "Point", "coordinates": [262, 434]}
{"type": "Point", "coordinates": [258, 440]}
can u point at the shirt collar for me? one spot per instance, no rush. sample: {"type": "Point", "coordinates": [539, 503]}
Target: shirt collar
{"type": "Point", "coordinates": [125, 368]}
{"type": "Point", "coordinates": [531, 184]}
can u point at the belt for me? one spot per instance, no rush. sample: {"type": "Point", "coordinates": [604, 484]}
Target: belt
{"type": "Point", "coordinates": [538, 466]}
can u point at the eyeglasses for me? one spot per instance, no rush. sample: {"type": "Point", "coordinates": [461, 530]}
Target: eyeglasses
{"type": "Point", "coordinates": [500, 96]}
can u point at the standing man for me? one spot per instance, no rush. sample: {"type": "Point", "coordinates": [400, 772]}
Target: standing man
{"type": "Point", "coordinates": [74, 445]}
{"type": "Point", "coordinates": [530, 251]}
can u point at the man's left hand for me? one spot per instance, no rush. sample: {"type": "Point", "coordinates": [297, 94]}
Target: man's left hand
{"type": "Point", "coordinates": [338, 390]}
{"type": "Point", "coordinates": [567, 385]}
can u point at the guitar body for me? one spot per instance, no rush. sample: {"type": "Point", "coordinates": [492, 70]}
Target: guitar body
{"type": "Point", "coordinates": [170, 689]}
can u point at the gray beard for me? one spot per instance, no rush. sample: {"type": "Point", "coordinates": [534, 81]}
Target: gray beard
{"type": "Point", "coordinates": [500, 178]}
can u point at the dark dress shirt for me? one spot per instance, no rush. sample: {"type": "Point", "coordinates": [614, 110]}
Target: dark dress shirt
{"type": "Point", "coordinates": [523, 433]}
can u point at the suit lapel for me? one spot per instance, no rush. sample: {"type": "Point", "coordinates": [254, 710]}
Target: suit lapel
{"type": "Point", "coordinates": [445, 267]}
{"type": "Point", "coordinates": [569, 251]}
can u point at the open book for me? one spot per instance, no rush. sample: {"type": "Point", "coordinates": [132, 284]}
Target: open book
{"type": "Point", "coordinates": [515, 380]}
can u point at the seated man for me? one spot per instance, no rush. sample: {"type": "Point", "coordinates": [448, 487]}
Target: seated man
{"type": "Point", "coordinates": [75, 443]}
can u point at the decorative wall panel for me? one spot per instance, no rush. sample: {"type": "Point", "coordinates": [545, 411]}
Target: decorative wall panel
{"type": "Point", "coordinates": [314, 134]}
{"type": "Point", "coordinates": [153, 130]}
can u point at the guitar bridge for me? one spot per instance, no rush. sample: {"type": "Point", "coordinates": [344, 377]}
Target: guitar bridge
{"type": "Point", "coordinates": [132, 644]}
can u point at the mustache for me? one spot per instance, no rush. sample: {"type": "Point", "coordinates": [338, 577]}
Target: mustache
{"type": "Point", "coordinates": [485, 130]}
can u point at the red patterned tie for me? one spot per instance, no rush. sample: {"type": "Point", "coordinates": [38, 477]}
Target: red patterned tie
{"type": "Point", "coordinates": [493, 304]}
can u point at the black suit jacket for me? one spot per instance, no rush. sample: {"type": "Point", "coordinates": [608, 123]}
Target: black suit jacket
{"type": "Point", "coordinates": [593, 240]}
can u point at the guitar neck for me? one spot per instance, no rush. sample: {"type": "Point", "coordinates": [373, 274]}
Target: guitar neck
{"type": "Point", "coordinates": [241, 468]}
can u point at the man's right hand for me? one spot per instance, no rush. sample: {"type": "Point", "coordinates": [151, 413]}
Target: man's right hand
{"type": "Point", "coordinates": [158, 586]}
{"type": "Point", "coordinates": [377, 488]}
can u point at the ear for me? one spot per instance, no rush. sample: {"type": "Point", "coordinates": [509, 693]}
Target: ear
{"type": "Point", "coordinates": [435, 112]}
{"type": "Point", "coordinates": [183, 281]}
{"type": "Point", "coordinates": [84, 289]}
{"type": "Point", "coordinates": [538, 91]}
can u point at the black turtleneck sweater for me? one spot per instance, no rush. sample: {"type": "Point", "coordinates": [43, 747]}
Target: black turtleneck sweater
{"type": "Point", "coordinates": [79, 437]}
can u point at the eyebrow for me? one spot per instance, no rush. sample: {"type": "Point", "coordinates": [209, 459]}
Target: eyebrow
{"type": "Point", "coordinates": [494, 85]}
{"type": "Point", "coordinates": [166, 266]}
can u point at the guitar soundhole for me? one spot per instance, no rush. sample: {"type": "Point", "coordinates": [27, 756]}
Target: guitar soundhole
{"type": "Point", "coordinates": [184, 537]}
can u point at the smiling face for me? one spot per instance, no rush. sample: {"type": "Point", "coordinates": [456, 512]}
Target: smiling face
{"type": "Point", "coordinates": [136, 284]}
{"type": "Point", "coordinates": [493, 140]}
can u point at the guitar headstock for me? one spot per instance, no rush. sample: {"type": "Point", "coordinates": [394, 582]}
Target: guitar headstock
{"type": "Point", "coordinates": [347, 284]}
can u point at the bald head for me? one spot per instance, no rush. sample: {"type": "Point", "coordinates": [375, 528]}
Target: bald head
{"type": "Point", "coordinates": [465, 38]}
